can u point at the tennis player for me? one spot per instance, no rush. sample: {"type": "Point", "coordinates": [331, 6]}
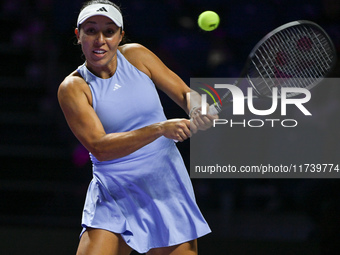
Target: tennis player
{"type": "Point", "coordinates": [141, 197]}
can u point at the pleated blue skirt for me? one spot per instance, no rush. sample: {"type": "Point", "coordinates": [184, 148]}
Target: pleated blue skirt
{"type": "Point", "coordinates": [149, 200]}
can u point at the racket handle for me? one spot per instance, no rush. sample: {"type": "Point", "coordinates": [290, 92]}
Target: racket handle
{"type": "Point", "coordinates": [214, 109]}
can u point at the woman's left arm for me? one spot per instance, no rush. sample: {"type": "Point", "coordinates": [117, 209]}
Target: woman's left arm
{"type": "Point", "coordinates": [167, 81]}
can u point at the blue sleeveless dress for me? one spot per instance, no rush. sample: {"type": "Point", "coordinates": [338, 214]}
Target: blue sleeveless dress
{"type": "Point", "coordinates": [146, 196]}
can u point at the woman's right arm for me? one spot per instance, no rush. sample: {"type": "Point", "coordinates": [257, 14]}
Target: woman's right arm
{"type": "Point", "coordinates": [75, 102]}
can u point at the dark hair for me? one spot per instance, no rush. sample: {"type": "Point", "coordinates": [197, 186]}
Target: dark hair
{"type": "Point", "coordinates": [90, 2]}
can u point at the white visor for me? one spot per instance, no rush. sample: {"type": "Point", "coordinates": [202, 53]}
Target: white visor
{"type": "Point", "coordinates": [106, 10]}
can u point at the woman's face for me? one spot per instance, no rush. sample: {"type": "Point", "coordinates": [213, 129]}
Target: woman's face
{"type": "Point", "coordinates": [99, 37]}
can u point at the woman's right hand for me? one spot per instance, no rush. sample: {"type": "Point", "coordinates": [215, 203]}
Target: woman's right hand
{"type": "Point", "coordinates": [176, 129]}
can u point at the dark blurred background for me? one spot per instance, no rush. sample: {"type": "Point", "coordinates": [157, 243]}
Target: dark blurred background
{"type": "Point", "coordinates": [45, 171]}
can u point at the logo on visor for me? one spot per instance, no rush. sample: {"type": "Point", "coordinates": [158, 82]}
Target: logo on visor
{"type": "Point", "coordinates": [102, 9]}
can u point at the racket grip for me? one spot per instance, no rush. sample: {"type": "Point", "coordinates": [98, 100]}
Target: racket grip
{"type": "Point", "coordinates": [214, 109]}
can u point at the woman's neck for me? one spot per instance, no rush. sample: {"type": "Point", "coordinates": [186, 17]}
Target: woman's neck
{"type": "Point", "coordinates": [106, 71]}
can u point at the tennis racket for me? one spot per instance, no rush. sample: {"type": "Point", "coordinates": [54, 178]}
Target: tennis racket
{"type": "Point", "coordinates": [298, 54]}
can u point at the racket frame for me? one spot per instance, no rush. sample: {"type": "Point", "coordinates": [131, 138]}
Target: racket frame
{"type": "Point", "coordinates": [216, 107]}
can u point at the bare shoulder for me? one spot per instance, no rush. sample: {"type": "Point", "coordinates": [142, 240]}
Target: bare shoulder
{"type": "Point", "coordinates": [72, 80]}
{"type": "Point", "coordinates": [72, 86]}
{"type": "Point", "coordinates": [139, 56]}
{"type": "Point", "coordinates": [130, 49]}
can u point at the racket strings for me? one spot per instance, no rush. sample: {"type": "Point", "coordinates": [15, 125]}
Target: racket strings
{"type": "Point", "coordinates": [301, 65]}
{"type": "Point", "coordinates": [289, 70]}
{"type": "Point", "coordinates": [264, 69]}
{"type": "Point", "coordinates": [299, 62]}
{"type": "Point", "coordinates": [294, 57]}
{"type": "Point", "coordinates": [282, 76]}
{"type": "Point", "coordinates": [325, 58]}
{"type": "Point", "coordinates": [265, 64]}
{"type": "Point", "coordinates": [317, 52]}
{"type": "Point", "coordinates": [295, 67]}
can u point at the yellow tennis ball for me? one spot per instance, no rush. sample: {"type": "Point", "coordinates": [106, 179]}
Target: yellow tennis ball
{"type": "Point", "coordinates": [208, 20]}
